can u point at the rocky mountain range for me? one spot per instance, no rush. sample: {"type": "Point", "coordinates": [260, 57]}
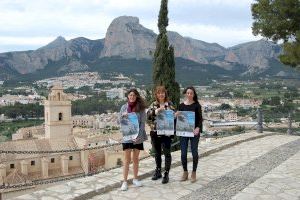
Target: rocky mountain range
{"type": "Point", "coordinates": [128, 39]}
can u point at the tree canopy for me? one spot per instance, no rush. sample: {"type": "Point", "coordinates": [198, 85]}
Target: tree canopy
{"type": "Point", "coordinates": [164, 61]}
{"type": "Point", "coordinates": [279, 20]}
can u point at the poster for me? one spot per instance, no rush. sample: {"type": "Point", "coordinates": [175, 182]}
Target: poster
{"type": "Point", "coordinates": [185, 124]}
{"type": "Point", "coordinates": [165, 122]}
{"type": "Point", "coordinates": [129, 126]}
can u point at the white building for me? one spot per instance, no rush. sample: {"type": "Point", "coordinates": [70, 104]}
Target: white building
{"type": "Point", "coordinates": [115, 93]}
{"type": "Point", "coordinates": [240, 123]}
{"type": "Point", "coordinates": [96, 121]}
{"type": "Point", "coordinates": [2, 117]}
{"type": "Point", "coordinates": [83, 121]}
{"type": "Point", "coordinates": [231, 116]}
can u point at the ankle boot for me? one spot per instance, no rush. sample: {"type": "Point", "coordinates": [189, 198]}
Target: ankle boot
{"type": "Point", "coordinates": [165, 178]}
{"type": "Point", "coordinates": [185, 176]}
{"type": "Point", "coordinates": [193, 177]}
{"type": "Point", "coordinates": [157, 174]}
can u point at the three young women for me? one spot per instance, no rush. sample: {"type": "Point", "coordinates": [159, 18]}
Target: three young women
{"type": "Point", "coordinates": [160, 143]}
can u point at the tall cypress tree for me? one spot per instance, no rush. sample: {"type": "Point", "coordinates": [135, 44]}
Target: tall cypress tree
{"type": "Point", "coordinates": [164, 61]}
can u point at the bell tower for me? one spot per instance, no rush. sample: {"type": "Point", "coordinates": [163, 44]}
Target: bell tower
{"type": "Point", "coordinates": [58, 122]}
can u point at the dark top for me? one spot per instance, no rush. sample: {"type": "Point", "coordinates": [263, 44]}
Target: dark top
{"type": "Point", "coordinates": [151, 116]}
{"type": "Point", "coordinates": [194, 107]}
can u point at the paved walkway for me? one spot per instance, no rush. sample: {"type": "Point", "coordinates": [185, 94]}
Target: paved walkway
{"type": "Point", "coordinates": [283, 182]}
{"type": "Point", "coordinates": [228, 185]}
{"type": "Point", "coordinates": [225, 174]}
{"type": "Point", "coordinates": [218, 158]}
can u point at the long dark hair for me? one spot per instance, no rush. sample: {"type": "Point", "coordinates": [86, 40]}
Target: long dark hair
{"type": "Point", "coordinates": [195, 98]}
{"type": "Point", "coordinates": [140, 102]}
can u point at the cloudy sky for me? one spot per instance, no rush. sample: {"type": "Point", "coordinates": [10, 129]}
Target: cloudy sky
{"type": "Point", "coordinates": [30, 24]}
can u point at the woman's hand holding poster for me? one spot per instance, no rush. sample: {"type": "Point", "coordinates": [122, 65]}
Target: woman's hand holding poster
{"type": "Point", "coordinates": [185, 124]}
{"type": "Point", "coordinates": [129, 126]}
{"type": "Point", "coordinates": [165, 122]}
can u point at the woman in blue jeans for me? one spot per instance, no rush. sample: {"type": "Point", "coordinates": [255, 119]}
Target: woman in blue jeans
{"type": "Point", "coordinates": [191, 104]}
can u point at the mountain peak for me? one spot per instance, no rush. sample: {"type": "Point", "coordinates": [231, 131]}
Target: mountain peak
{"type": "Point", "coordinates": [127, 38]}
{"type": "Point", "coordinates": [59, 41]}
{"type": "Point", "coordinates": [261, 42]}
{"type": "Point", "coordinates": [60, 38]}
{"type": "Point", "coordinates": [126, 19]}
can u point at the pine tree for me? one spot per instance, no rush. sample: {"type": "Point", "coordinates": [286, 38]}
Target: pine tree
{"type": "Point", "coordinates": [164, 61]}
{"type": "Point", "coordinates": [279, 20]}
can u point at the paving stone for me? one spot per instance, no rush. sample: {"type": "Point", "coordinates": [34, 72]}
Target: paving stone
{"type": "Point", "coordinates": [288, 197]}
{"type": "Point", "coordinates": [60, 189]}
{"type": "Point", "coordinates": [26, 197]}
{"type": "Point", "coordinates": [49, 198]}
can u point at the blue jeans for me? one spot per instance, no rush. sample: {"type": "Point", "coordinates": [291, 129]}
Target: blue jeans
{"type": "Point", "coordinates": [184, 148]}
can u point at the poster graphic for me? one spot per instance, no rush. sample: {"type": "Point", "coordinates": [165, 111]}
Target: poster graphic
{"type": "Point", "coordinates": [129, 126]}
{"type": "Point", "coordinates": [165, 122]}
{"type": "Point", "coordinates": [185, 124]}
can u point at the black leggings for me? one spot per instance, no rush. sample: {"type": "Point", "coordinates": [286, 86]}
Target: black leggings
{"type": "Point", "coordinates": [159, 144]}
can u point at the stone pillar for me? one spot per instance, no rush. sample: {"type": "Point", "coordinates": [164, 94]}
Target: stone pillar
{"type": "Point", "coordinates": [24, 167]}
{"type": "Point", "coordinates": [84, 159]}
{"type": "Point", "coordinates": [2, 173]}
{"type": "Point", "coordinates": [45, 167]}
{"type": "Point", "coordinates": [290, 130]}
{"type": "Point", "coordinates": [259, 127]}
{"type": "Point", "coordinates": [64, 164]}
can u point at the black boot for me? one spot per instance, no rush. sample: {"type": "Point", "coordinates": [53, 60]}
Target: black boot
{"type": "Point", "coordinates": [157, 174]}
{"type": "Point", "coordinates": [165, 178]}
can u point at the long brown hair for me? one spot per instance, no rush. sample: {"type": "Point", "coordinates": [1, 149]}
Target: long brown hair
{"type": "Point", "coordinates": [140, 102]}
{"type": "Point", "coordinates": [161, 88]}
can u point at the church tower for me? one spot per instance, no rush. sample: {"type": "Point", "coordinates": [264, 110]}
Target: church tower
{"type": "Point", "coordinates": [58, 122]}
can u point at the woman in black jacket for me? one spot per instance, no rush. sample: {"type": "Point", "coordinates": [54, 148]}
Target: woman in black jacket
{"type": "Point", "coordinates": [191, 104]}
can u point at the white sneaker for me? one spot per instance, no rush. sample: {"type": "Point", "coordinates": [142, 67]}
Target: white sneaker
{"type": "Point", "coordinates": [124, 186]}
{"type": "Point", "coordinates": [137, 183]}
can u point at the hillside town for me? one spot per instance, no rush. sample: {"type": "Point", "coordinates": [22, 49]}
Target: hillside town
{"type": "Point", "coordinates": [212, 99]}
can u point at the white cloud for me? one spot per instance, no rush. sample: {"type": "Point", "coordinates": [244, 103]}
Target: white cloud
{"type": "Point", "coordinates": [238, 3]}
{"type": "Point", "coordinates": [25, 40]}
{"type": "Point", "coordinates": [223, 21]}
{"type": "Point", "coordinates": [130, 4]}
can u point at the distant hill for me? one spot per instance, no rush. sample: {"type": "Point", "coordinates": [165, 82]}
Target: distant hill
{"type": "Point", "coordinates": [128, 47]}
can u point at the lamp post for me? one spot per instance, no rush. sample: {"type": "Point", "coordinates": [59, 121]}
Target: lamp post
{"type": "Point", "coordinates": [259, 127]}
{"type": "Point", "coordinates": [289, 130]}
